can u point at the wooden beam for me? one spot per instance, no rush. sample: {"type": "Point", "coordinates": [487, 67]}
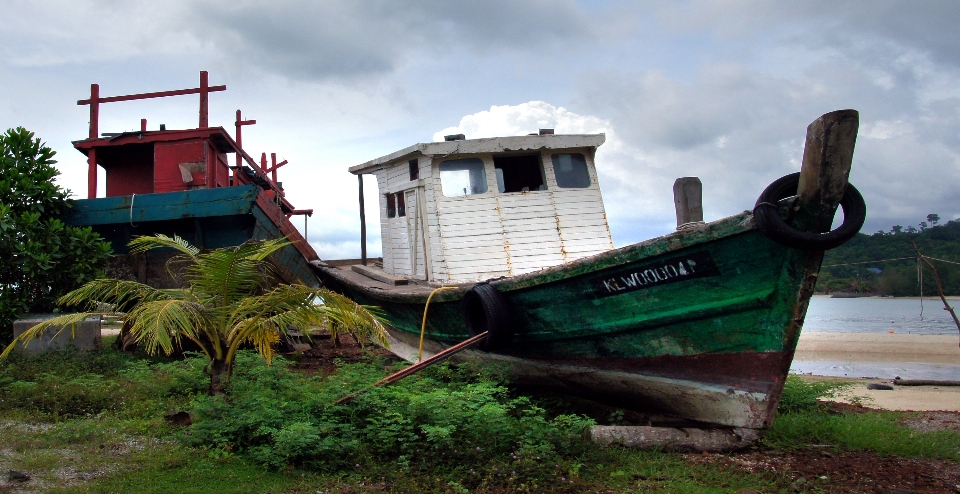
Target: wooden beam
{"type": "Point", "coordinates": [827, 157]}
{"type": "Point", "coordinates": [688, 200]}
{"type": "Point", "coordinates": [363, 224]}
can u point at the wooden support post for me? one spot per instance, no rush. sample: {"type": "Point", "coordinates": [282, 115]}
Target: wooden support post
{"type": "Point", "coordinates": [94, 103]}
{"type": "Point", "coordinates": [688, 200]}
{"type": "Point", "coordinates": [94, 133]}
{"type": "Point", "coordinates": [92, 173]}
{"type": "Point", "coordinates": [827, 157]}
{"type": "Point", "coordinates": [273, 167]}
{"type": "Point", "coordinates": [363, 224]}
{"type": "Point", "coordinates": [239, 125]}
{"type": "Point", "coordinates": [204, 100]}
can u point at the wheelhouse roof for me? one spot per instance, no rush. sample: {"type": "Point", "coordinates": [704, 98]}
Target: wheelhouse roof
{"type": "Point", "coordinates": [485, 145]}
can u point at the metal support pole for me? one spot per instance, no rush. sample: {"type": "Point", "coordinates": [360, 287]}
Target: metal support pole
{"type": "Point", "coordinates": [363, 225]}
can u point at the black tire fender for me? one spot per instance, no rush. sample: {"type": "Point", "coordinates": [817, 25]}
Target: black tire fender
{"type": "Point", "coordinates": [768, 220]}
{"type": "Point", "coordinates": [486, 309]}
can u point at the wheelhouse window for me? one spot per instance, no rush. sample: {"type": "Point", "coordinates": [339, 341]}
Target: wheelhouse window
{"type": "Point", "coordinates": [391, 206]}
{"type": "Point", "coordinates": [462, 177]}
{"type": "Point", "coordinates": [519, 173]}
{"type": "Point", "coordinates": [414, 169]}
{"type": "Point", "coordinates": [571, 171]}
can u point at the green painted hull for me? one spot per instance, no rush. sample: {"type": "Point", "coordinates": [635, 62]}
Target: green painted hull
{"type": "Point", "coordinates": [702, 324]}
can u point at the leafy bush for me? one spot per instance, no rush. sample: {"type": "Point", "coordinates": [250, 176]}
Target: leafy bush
{"type": "Point", "coordinates": [444, 419]}
{"type": "Point", "coordinates": [66, 384]}
{"type": "Point", "coordinates": [43, 258]}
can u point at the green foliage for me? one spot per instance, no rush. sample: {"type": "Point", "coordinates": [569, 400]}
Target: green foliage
{"type": "Point", "coordinates": [897, 278]}
{"type": "Point", "coordinates": [802, 420]}
{"type": "Point", "coordinates": [440, 421]}
{"type": "Point", "coordinates": [228, 303]}
{"type": "Point", "coordinates": [800, 395]}
{"type": "Point", "coordinates": [42, 257]}
{"type": "Point", "coordinates": [877, 432]}
{"type": "Point", "coordinates": [69, 384]}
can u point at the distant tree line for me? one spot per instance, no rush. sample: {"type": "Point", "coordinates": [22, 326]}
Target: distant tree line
{"type": "Point", "coordinates": [861, 265]}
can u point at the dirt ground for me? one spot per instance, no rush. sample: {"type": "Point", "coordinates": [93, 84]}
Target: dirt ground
{"type": "Point", "coordinates": [819, 468]}
{"type": "Point", "coordinates": [323, 355]}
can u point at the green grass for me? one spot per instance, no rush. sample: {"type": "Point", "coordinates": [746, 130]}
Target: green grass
{"type": "Point", "coordinates": [879, 432]}
{"type": "Point", "coordinates": [96, 425]}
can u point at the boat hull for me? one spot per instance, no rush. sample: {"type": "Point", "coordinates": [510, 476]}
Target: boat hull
{"type": "Point", "coordinates": [208, 218]}
{"type": "Point", "coordinates": [701, 324]}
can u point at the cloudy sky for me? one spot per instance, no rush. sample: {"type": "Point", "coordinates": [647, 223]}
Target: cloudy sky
{"type": "Point", "coordinates": [719, 90]}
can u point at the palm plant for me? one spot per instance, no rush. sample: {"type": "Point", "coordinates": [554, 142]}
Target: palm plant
{"type": "Point", "coordinates": [227, 303]}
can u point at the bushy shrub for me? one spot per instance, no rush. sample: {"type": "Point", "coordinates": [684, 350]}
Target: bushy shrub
{"type": "Point", "coordinates": [43, 258]}
{"type": "Point", "coordinates": [444, 419]}
{"type": "Point", "coordinates": [67, 384]}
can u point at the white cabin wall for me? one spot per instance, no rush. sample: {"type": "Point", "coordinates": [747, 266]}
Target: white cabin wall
{"type": "Point", "coordinates": [581, 216]}
{"type": "Point", "coordinates": [482, 236]}
{"type": "Point", "coordinates": [396, 174]}
{"type": "Point", "coordinates": [431, 189]}
{"type": "Point", "coordinates": [385, 237]}
{"type": "Point", "coordinates": [472, 243]}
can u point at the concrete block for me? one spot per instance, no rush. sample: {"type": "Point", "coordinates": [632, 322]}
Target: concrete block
{"type": "Point", "coordinates": [87, 335]}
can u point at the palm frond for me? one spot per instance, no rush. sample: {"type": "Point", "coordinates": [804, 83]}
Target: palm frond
{"type": "Point", "coordinates": [121, 294]}
{"type": "Point", "coordinates": [343, 314]}
{"type": "Point", "coordinates": [233, 273]}
{"type": "Point", "coordinates": [66, 321]}
{"type": "Point", "coordinates": [145, 243]}
{"type": "Point", "coordinates": [160, 324]}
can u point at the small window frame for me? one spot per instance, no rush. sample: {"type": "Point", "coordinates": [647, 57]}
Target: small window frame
{"type": "Point", "coordinates": [470, 166]}
{"type": "Point", "coordinates": [391, 206]}
{"type": "Point", "coordinates": [573, 179]}
{"type": "Point", "coordinates": [414, 168]}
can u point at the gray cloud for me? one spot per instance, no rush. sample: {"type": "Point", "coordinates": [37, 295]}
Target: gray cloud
{"type": "Point", "coordinates": [342, 39]}
{"type": "Point", "coordinates": [738, 129]}
{"type": "Point", "coordinates": [927, 26]}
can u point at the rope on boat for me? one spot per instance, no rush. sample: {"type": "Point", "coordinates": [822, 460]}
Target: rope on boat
{"type": "Point", "coordinates": [887, 260]}
{"type": "Point", "coordinates": [132, 197]}
{"type": "Point", "coordinates": [423, 326]}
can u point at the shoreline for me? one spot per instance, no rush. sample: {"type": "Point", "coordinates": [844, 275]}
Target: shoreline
{"type": "Point", "coordinates": [823, 356]}
{"type": "Point", "coordinates": [878, 347]}
{"type": "Point", "coordinates": [950, 298]}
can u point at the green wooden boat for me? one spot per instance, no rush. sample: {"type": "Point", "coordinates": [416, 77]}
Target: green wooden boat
{"type": "Point", "coordinates": [700, 324]}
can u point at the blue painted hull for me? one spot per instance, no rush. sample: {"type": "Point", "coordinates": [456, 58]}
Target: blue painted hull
{"type": "Point", "coordinates": [207, 218]}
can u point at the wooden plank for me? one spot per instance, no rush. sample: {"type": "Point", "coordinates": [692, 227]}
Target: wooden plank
{"type": "Point", "coordinates": [378, 274]}
{"type": "Point", "coordinates": [199, 203]}
{"type": "Point", "coordinates": [455, 230]}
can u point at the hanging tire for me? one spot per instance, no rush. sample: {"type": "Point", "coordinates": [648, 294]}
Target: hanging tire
{"type": "Point", "coordinates": [767, 217]}
{"type": "Point", "coordinates": [486, 309]}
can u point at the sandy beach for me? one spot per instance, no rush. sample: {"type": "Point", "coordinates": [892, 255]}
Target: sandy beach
{"type": "Point", "coordinates": [869, 347]}
{"type": "Point", "coordinates": [893, 351]}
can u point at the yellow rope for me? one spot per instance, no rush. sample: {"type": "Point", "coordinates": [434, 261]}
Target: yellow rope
{"type": "Point", "coordinates": [423, 327]}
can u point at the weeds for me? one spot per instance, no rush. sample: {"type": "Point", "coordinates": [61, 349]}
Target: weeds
{"type": "Point", "coordinates": [448, 429]}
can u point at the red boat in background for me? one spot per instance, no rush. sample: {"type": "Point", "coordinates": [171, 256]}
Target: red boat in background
{"type": "Point", "coordinates": [181, 182]}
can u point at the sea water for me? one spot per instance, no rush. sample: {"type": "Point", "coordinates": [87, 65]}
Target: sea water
{"type": "Point", "coordinates": [880, 315]}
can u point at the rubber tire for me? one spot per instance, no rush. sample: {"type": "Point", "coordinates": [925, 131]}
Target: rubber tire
{"type": "Point", "coordinates": [769, 221]}
{"type": "Point", "coordinates": [486, 309]}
